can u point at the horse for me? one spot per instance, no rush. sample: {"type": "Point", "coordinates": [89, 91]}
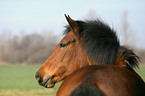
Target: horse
{"type": "Point", "coordinates": [100, 80]}
{"type": "Point", "coordinates": [85, 43]}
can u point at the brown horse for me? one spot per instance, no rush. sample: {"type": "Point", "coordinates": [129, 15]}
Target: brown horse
{"type": "Point", "coordinates": [85, 43]}
{"type": "Point", "coordinates": [100, 80]}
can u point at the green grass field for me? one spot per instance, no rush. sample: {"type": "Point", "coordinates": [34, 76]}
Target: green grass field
{"type": "Point", "coordinates": [18, 80]}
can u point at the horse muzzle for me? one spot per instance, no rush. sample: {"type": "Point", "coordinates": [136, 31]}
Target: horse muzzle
{"type": "Point", "coordinates": [47, 83]}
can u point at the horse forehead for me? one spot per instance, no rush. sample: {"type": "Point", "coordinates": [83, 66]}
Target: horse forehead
{"type": "Point", "coordinates": [69, 36]}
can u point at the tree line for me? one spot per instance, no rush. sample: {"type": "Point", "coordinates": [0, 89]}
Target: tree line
{"type": "Point", "coordinates": [30, 49]}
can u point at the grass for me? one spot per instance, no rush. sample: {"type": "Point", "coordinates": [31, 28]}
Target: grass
{"type": "Point", "coordinates": [37, 92]}
{"type": "Point", "coordinates": [18, 77]}
{"type": "Point", "coordinates": [18, 80]}
{"type": "Point", "coordinates": [141, 71]}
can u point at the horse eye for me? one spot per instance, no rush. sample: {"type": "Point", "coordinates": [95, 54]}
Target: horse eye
{"type": "Point", "coordinates": [62, 45]}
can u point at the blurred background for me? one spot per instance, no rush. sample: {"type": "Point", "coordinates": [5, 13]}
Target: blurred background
{"type": "Point", "coordinates": [30, 30]}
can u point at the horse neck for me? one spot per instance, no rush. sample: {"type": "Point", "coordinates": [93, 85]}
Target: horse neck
{"type": "Point", "coordinates": [124, 58]}
{"type": "Point", "coordinates": [119, 60]}
{"type": "Point", "coordinates": [83, 59]}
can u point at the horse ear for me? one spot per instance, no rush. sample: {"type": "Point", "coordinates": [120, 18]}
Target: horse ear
{"type": "Point", "coordinates": [72, 24]}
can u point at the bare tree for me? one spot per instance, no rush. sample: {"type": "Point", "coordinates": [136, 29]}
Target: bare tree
{"type": "Point", "coordinates": [126, 33]}
{"type": "Point", "coordinates": [91, 15]}
{"type": "Point", "coordinates": [30, 49]}
{"type": "Point", "coordinates": [124, 29]}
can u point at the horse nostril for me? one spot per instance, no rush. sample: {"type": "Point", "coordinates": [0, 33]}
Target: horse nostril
{"type": "Point", "coordinates": [37, 77]}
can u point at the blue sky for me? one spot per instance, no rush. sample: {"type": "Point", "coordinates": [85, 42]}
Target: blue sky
{"type": "Point", "coordinates": [40, 15]}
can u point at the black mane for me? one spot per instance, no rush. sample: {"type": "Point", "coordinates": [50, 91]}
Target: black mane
{"type": "Point", "coordinates": [100, 41]}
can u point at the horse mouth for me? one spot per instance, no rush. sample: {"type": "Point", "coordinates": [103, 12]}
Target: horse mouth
{"type": "Point", "coordinates": [49, 83]}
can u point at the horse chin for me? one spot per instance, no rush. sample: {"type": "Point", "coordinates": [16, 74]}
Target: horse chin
{"type": "Point", "coordinates": [49, 83]}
